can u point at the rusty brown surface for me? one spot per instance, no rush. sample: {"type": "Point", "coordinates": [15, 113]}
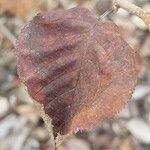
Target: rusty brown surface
{"type": "Point", "coordinates": [79, 68]}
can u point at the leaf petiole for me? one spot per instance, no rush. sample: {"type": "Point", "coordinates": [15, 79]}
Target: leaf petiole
{"type": "Point", "coordinates": [109, 11]}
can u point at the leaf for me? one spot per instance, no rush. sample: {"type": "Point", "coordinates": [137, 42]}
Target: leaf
{"type": "Point", "coordinates": [78, 68]}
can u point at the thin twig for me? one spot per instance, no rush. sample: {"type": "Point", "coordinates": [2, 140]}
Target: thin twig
{"type": "Point", "coordinates": [128, 6]}
{"type": "Point", "coordinates": [133, 9]}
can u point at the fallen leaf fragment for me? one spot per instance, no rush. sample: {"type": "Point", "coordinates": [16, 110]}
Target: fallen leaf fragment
{"type": "Point", "coordinates": [80, 70]}
{"type": "Point", "coordinates": [146, 19]}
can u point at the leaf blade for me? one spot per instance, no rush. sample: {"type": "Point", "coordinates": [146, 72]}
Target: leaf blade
{"type": "Point", "coordinates": [80, 69]}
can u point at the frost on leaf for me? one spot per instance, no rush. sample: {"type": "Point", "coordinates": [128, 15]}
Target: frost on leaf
{"type": "Point", "coordinates": [80, 69]}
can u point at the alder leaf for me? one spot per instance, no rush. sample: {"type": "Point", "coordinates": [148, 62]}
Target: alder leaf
{"type": "Point", "coordinates": [78, 68]}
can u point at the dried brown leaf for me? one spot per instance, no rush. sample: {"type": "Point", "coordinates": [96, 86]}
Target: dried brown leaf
{"type": "Point", "coordinates": [80, 69]}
